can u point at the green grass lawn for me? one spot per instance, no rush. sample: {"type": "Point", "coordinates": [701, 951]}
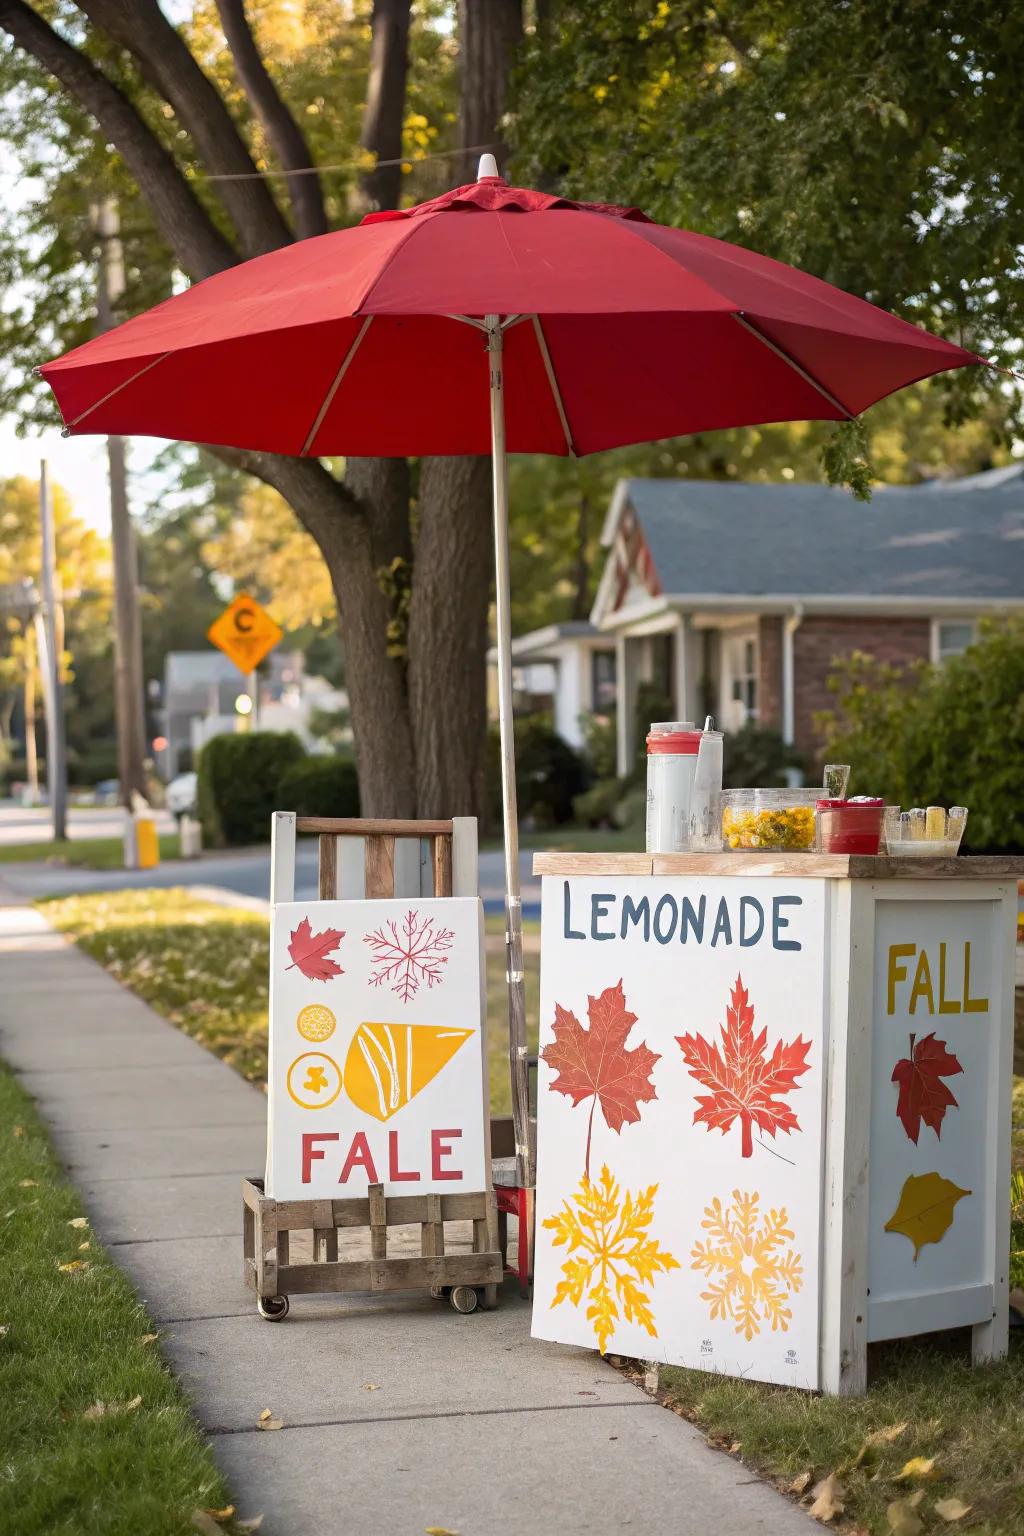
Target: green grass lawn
{"type": "Point", "coordinates": [204, 967]}
{"type": "Point", "coordinates": [97, 1437]}
{"type": "Point", "coordinates": [82, 852]}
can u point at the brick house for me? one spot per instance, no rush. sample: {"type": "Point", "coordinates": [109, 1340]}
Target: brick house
{"type": "Point", "coordinates": [736, 599]}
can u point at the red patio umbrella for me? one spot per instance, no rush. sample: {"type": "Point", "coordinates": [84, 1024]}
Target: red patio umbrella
{"type": "Point", "coordinates": [600, 328]}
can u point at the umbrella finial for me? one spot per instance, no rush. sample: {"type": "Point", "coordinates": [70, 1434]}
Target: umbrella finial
{"type": "Point", "coordinates": [488, 167]}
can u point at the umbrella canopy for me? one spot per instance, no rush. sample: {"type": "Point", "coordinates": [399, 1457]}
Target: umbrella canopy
{"type": "Point", "coordinates": [489, 319]}
{"type": "Point", "coordinates": [630, 332]}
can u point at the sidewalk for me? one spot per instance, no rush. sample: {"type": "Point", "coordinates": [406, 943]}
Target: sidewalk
{"type": "Point", "coordinates": [398, 1414]}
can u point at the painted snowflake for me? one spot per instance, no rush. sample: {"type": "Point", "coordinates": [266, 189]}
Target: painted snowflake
{"type": "Point", "coordinates": [751, 1270]}
{"type": "Point", "coordinates": [610, 1254]}
{"type": "Point", "coordinates": [409, 954]}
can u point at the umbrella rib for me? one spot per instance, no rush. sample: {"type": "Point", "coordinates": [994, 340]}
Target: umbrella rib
{"type": "Point", "coordinates": [555, 391]}
{"type": "Point", "coordinates": [328, 398]}
{"type": "Point", "coordinates": [808, 378]}
{"type": "Point", "coordinates": [115, 391]}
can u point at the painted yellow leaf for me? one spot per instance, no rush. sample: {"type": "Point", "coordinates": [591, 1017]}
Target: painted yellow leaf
{"type": "Point", "coordinates": [611, 1254]}
{"type": "Point", "coordinates": [388, 1064]}
{"type": "Point", "coordinates": [902, 1519]}
{"type": "Point", "coordinates": [951, 1509]}
{"type": "Point", "coordinates": [919, 1467]}
{"type": "Point", "coordinates": [925, 1209]}
{"type": "Point", "coordinates": [828, 1499]}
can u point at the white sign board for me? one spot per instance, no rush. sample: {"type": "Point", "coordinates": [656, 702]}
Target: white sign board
{"type": "Point", "coordinates": [680, 1097]}
{"type": "Point", "coordinates": [377, 1058]}
{"type": "Point", "coordinates": [937, 1010]}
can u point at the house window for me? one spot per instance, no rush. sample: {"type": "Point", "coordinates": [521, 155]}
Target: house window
{"type": "Point", "coordinates": [739, 679]}
{"type": "Point", "coordinates": [602, 682]}
{"type": "Point", "coordinates": [952, 638]}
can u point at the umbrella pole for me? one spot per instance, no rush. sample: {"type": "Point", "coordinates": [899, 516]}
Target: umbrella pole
{"type": "Point", "coordinates": [513, 899]}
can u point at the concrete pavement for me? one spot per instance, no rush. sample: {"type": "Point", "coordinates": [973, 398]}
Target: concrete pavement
{"type": "Point", "coordinates": [398, 1413]}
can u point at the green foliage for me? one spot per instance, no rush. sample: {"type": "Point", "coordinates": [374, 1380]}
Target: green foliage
{"type": "Point", "coordinates": [72, 1338]}
{"type": "Point", "coordinates": [757, 755]}
{"type": "Point", "coordinates": [92, 766]}
{"type": "Point", "coordinates": [940, 735]}
{"type": "Point", "coordinates": [600, 745]}
{"type": "Point", "coordinates": [320, 786]}
{"type": "Point", "coordinates": [240, 785]}
{"type": "Point", "coordinates": [549, 774]}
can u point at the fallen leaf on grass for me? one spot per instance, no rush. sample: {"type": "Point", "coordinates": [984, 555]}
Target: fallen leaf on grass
{"type": "Point", "coordinates": [801, 1482]}
{"type": "Point", "coordinates": [951, 1509]}
{"type": "Point", "coordinates": [917, 1466]}
{"type": "Point", "coordinates": [73, 1266]}
{"type": "Point", "coordinates": [27, 1184]}
{"type": "Point", "coordinates": [101, 1410]}
{"type": "Point", "coordinates": [828, 1499]}
{"type": "Point", "coordinates": [149, 1338]}
{"type": "Point", "coordinates": [79, 1221]}
{"type": "Point", "coordinates": [902, 1519]}
{"type": "Point", "coordinates": [735, 1448]}
{"type": "Point", "coordinates": [220, 1515]}
{"type": "Point", "coordinates": [5, 1329]}
{"type": "Point", "coordinates": [84, 1247]}
{"type": "Point", "coordinates": [19, 1130]}
{"type": "Point", "coordinates": [266, 1422]}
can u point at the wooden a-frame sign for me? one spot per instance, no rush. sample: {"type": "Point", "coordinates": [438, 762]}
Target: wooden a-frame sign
{"type": "Point", "coordinates": [245, 632]}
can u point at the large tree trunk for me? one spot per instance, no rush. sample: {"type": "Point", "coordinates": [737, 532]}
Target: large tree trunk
{"type": "Point", "coordinates": [384, 113]}
{"type": "Point", "coordinates": [490, 31]}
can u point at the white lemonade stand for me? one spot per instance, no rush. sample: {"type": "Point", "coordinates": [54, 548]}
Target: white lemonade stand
{"type": "Point", "coordinates": [774, 1107]}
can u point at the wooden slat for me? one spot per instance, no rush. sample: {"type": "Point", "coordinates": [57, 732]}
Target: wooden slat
{"type": "Point", "coordinates": [392, 1274]}
{"type": "Point", "coordinates": [380, 866]}
{"type": "Point", "coordinates": [283, 1246]}
{"type": "Point", "coordinates": [282, 856]}
{"type": "Point", "coordinates": [266, 1249]}
{"type": "Point", "coordinates": [328, 881]}
{"type": "Point", "coordinates": [378, 1223]}
{"type": "Point", "coordinates": [465, 857]}
{"type": "Point", "coordinates": [432, 1231]}
{"type": "Point", "coordinates": [355, 826]}
{"type": "Point", "coordinates": [442, 848]}
{"type": "Point", "coordinates": [820, 866]}
{"type": "Point", "coordinates": [403, 1210]}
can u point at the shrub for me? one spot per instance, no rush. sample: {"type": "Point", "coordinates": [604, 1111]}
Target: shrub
{"type": "Point", "coordinates": [757, 756]}
{"type": "Point", "coordinates": [600, 747]}
{"type": "Point", "coordinates": [940, 735]}
{"type": "Point", "coordinates": [549, 774]}
{"type": "Point", "coordinates": [320, 786]}
{"type": "Point", "coordinates": [240, 785]}
{"type": "Point", "coordinates": [92, 766]}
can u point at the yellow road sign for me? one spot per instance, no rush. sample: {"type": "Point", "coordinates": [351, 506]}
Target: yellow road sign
{"type": "Point", "coordinates": [245, 632]}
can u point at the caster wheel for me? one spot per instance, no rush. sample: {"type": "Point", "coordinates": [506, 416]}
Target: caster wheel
{"type": "Point", "coordinates": [463, 1298]}
{"type": "Point", "coordinates": [274, 1308]}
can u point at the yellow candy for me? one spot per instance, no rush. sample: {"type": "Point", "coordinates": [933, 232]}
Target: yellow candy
{"type": "Point", "coordinates": [790, 827]}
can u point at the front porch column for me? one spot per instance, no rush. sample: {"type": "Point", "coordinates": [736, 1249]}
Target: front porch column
{"type": "Point", "coordinates": [626, 674]}
{"type": "Point", "coordinates": [687, 669]}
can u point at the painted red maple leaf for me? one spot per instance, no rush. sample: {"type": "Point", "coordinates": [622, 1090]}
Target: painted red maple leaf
{"type": "Point", "coordinates": [923, 1094]}
{"type": "Point", "coordinates": [594, 1063]}
{"type": "Point", "coordinates": [310, 951]}
{"type": "Point", "coordinates": [744, 1083]}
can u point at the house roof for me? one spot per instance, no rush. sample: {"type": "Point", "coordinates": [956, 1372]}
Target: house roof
{"type": "Point", "coordinates": [956, 539]}
{"type": "Point", "coordinates": [539, 644]}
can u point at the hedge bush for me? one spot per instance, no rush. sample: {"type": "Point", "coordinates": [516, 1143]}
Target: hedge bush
{"type": "Point", "coordinates": [239, 785]}
{"type": "Point", "coordinates": [940, 735]}
{"type": "Point", "coordinates": [320, 786]}
{"type": "Point", "coordinates": [549, 774]}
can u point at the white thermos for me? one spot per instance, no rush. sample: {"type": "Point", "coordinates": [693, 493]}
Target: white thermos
{"type": "Point", "coordinates": [672, 747]}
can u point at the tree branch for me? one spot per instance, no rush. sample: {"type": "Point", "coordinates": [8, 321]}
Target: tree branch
{"type": "Point", "coordinates": [164, 59]}
{"type": "Point", "coordinates": [181, 219]}
{"type": "Point", "coordinates": [384, 113]}
{"type": "Point", "coordinates": [285, 135]}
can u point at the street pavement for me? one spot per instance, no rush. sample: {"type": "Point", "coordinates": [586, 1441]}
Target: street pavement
{"type": "Point", "coordinates": [31, 823]}
{"type": "Point", "coordinates": [246, 872]}
{"type": "Point", "coordinates": [398, 1414]}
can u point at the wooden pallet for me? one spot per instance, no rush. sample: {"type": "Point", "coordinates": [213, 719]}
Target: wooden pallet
{"type": "Point", "coordinates": [373, 859]}
{"type": "Point", "coordinates": [269, 1225]}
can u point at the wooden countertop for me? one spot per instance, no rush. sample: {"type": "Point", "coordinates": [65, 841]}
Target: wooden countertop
{"type": "Point", "coordinates": [808, 866]}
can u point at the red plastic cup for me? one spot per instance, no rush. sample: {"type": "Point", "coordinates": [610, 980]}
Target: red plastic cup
{"type": "Point", "coordinates": [849, 826]}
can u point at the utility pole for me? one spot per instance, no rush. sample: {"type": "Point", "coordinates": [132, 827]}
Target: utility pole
{"type": "Point", "coordinates": [129, 702]}
{"type": "Point", "coordinates": [56, 763]}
